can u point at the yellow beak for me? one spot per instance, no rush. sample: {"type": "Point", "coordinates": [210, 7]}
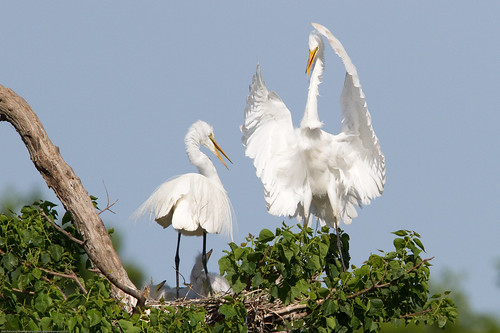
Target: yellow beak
{"type": "Point", "coordinates": [160, 285]}
{"type": "Point", "coordinates": [310, 61]}
{"type": "Point", "coordinates": [209, 253]}
{"type": "Point", "coordinates": [219, 149]}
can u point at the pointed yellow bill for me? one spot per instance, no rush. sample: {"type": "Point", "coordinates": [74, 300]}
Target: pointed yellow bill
{"type": "Point", "coordinates": [312, 56]}
{"type": "Point", "coordinates": [160, 285]}
{"type": "Point", "coordinates": [209, 253]}
{"type": "Point", "coordinates": [219, 149]}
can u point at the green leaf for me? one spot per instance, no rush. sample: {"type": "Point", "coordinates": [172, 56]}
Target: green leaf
{"type": "Point", "coordinates": [225, 265]}
{"type": "Point", "coordinates": [195, 318]}
{"type": "Point", "coordinates": [400, 233]}
{"type": "Point", "coordinates": [57, 318]}
{"type": "Point", "coordinates": [302, 286]}
{"type": "Point", "coordinates": [66, 218]}
{"type": "Point", "coordinates": [56, 251]}
{"type": "Point", "coordinates": [441, 321]}
{"type": "Point", "coordinates": [329, 307]}
{"type": "Point", "coordinates": [331, 323]}
{"type": "Point", "coordinates": [239, 252]}
{"type": "Point", "coordinates": [33, 326]}
{"type": "Point", "coordinates": [9, 261]}
{"type": "Point", "coordinates": [37, 273]}
{"type": "Point", "coordinates": [42, 302]}
{"type": "Point", "coordinates": [375, 305]}
{"type": "Point", "coordinates": [46, 323]}
{"type": "Point", "coordinates": [128, 327]}
{"type": "Point", "coordinates": [237, 284]}
{"type": "Point", "coordinates": [398, 243]}
{"type": "Point", "coordinates": [257, 280]}
{"type": "Point", "coordinates": [265, 236]}
{"type": "Point", "coordinates": [94, 316]}
{"type": "Point", "coordinates": [75, 300]}
{"type": "Point", "coordinates": [227, 310]}
{"type": "Point", "coordinates": [419, 243]}
{"type": "Point", "coordinates": [45, 258]}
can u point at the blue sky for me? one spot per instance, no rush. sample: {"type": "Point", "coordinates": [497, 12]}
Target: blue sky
{"type": "Point", "coordinates": [116, 88]}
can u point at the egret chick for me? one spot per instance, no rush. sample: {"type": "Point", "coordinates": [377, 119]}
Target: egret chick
{"type": "Point", "coordinates": [205, 283]}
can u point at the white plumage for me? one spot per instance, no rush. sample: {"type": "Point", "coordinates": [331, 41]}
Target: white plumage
{"type": "Point", "coordinates": [307, 171]}
{"type": "Point", "coordinates": [194, 204]}
{"type": "Point", "coordinates": [203, 284]}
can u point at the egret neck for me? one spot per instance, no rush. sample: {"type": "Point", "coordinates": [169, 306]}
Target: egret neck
{"type": "Point", "coordinates": [311, 118]}
{"type": "Point", "coordinates": [198, 158]}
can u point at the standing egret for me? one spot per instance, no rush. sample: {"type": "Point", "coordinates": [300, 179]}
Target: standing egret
{"type": "Point", "coordinates": [194, 204]}
{"type": "Point", "coordinates": [307, 170]}
{"type": "Point", "coordinates": [204, 284]}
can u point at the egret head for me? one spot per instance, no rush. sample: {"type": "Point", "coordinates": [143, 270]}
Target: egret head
{"type": "Point", "coordinates": [315, 49]}
{"type": "Point", "coordinates": [204, 134]}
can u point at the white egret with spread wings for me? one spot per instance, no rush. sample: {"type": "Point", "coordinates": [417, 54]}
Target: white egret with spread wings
{"type": "Point", "coordinates": [194, 203]}
{"type": "Point", "coordinates": [307, 171]}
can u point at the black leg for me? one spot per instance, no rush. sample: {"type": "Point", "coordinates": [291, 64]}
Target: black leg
{"type": "Point", "coordinates": [339, 247]}
{"type": "Point", "coordinates": [177, 261]}
{"type": "Point", "coordinates": [204, 262]}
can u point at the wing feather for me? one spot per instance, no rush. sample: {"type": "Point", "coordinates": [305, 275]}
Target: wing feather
{"type": "Point", "coordinates": [270, 141]}
{"type": "Point", "coordinates": [190, 202]}
{"type": "Point", "coordinates": [365, 177]}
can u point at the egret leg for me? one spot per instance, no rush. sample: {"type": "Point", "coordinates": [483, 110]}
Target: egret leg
{"type": "Point", "coordinates": [303, 232]}
{"type": "Point", "coordinates": [177, 261]}
{"type": "Point", "coordinates": [204, 262]}
{"type": "Point", "coordinates": [339, 247]}
{"type": "Point", "coordinates": [317, 226]}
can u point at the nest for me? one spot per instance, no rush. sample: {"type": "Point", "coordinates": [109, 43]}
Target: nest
{"type": "Point", "coordinates": [262, 314]}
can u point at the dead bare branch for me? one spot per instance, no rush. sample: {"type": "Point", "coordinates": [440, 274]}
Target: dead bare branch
{"type": "Point", "coordinates": [108, 205]}
{"type": "Point", "coordinates": [60, 177]}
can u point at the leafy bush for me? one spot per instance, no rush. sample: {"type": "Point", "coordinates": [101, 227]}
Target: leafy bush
{"type": "Point", "coordinates": [306, 269]}
{"type": "Point", "coordinates": [40, 277]}
{"type": "Point", "coordinates": [283, 280]}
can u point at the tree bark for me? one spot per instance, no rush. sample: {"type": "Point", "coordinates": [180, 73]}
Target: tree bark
{"type": "Point", "coordinates": [61, 178]}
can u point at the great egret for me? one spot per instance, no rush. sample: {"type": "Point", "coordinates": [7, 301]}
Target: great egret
{"type": "Point", "coordinates": [204, 284]}
{"type": "Point", "coordinates": [194, 204]}
{"type": "Point", "coordinates": [307, 170]}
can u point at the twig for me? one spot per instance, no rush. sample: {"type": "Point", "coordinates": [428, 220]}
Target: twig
{"type": "Point", "coordinates": [23, 291]}
{"type": "Point", "coordinates": [376, 286]}
{"type": "Point", "coordinates": [416, 313]}
{"type": "Point", "coordinates": [139, 295]}
{"type": "Point", "coordinates": [55, 285]}
{"type": "Point", "coordinates": [265, 255]}
{"type": "Point", "coordinates": [71, 276]}
{"type": "Point", "coordinates": [61, 230]}
{"type": "Point", "coordinates": [108, 206]}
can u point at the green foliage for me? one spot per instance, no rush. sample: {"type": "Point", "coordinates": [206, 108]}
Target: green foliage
{"type": "Point", "coordinates": [44, 287]}
{"type": "Point", "coordinates": [38, 277]}
{"type": "Point", "coordinates": [39, 267]}
{"type": "Point", "coordinates": [299, 267]}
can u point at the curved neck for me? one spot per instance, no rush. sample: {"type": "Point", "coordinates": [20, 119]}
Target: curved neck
{"type": "Point", "coordinates": [197, 268]}
{"type": "Point", "coordinates": [311, 118]}
{"type": "Point", "coordinates": [199, 159]}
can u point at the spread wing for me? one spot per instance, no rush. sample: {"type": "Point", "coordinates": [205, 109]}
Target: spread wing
{"type": "Point", "coordinates": [190, 202]}
{"type": "Point", "coordinates": [270, 141]}
{"type": "Point", "coordinates": [364, 178]}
